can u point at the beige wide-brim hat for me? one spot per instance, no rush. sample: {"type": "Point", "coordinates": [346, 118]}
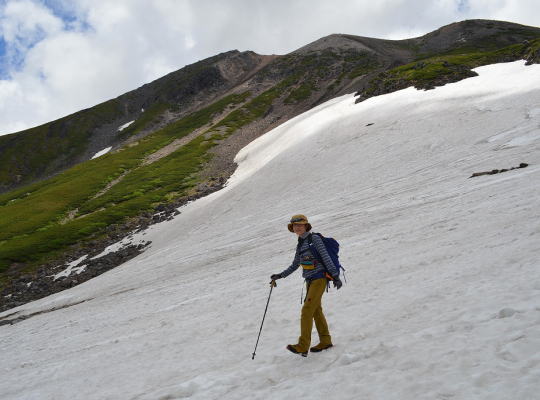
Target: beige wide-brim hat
{"type": "Point", "coordinates": [299, 219]}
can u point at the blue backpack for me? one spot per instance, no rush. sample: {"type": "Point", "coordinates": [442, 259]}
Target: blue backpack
{"type": "Point", "coordinates": [332, 247]}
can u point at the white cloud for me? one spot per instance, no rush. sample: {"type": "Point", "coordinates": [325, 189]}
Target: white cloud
{"type": "Point", "coordinates": [60, 65]}
{"type": "Point", "coordinates": [189, 42]}
{"type": "Point", "coordinates": [24, 21]}
{"type": "Point", "coordinates": [127, 45]}
{"type": "Point", "coordinates": [526, 12]}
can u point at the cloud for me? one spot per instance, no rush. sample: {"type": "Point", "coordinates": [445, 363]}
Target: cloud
{"type": "Point", "coordinates": [25, 22]}
{"type": "Point", "coordinates": [22, 25]}
{"type": "Point", "coordinates": [60, 56]}
{"type": "Point", "coordinates": [64, 68]}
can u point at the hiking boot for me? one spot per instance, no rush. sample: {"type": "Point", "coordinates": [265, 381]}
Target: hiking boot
{"type": "Point", "coordinates": [320, 347]}
{"type": "Point", "coordinates": [293, 349]}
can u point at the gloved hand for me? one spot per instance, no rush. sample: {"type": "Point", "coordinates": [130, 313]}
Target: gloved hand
{"type": "Point", "coordinates": [275, 277]}
{"type": "Point", "coordinates": [337, 282]}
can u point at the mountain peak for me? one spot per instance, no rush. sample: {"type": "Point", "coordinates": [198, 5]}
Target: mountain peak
{"type": "Point", "coordinates": [334, 41]}
{"type": "Point", "coordinates": [481, 33]}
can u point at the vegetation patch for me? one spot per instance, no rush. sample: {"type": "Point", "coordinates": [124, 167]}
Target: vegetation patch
{"type": "Point", "coordinates": [301, 93]}
{"type": "Point", "coordinates": [364, 68]}
{"type": "Point", "coordinates": [255, 108]}
{"type": "Point", "coordinates": [30, 228]}
{"type": "Point", "coordinates": [33, 153]}
{"type": "Point", "coordinates": [45, 150]}
{"type": "Point", "coordinates": [533, 52]}
{"type": "Point", "coordinates": [439, 70]}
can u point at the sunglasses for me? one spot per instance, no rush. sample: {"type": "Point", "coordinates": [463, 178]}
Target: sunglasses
{"type": "Point", "coordinates": [297, 220]}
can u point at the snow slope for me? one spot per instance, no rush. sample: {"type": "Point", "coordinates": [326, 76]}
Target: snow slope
{"type": "Point", "coordinates": [443, 292]}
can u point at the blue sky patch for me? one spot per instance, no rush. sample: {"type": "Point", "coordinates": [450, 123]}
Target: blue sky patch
{"type": "Point", "coordinates": [2, 46]}
{"type": "Point", "coordinates": [60, 10]}
{"type": "Point", "coordinates": [12, 58]}
{"type": "Point", "coordinates": [3, 72]}
{"type": "Point", "coordinates": [68, 14]}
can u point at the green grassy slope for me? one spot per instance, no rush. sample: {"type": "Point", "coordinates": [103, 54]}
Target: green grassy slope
{"type": "Point", "coordinates": [45, 150]}
{"type": "Point", "coordinates": [39, 151]}
{"type": "Point", "coordinates": [31, 218]}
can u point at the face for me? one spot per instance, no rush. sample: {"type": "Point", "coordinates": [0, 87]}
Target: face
{"type": "Point", "coordinates": [299, 229]}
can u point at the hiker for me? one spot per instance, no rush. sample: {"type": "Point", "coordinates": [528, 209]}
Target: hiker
{"type": "Point", "coordinates": [317, 278]}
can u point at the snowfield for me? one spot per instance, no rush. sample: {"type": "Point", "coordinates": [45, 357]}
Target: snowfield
{"type": "Point", "coordinates": [101, 152]}
{"type": "Point", "coordinates": [442, 299]}
{"type": "Point", "coordinates": [124, 126]}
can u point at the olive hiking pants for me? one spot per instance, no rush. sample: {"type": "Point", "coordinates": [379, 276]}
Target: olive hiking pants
{"type": "Point", "coordinates": [312, 310]}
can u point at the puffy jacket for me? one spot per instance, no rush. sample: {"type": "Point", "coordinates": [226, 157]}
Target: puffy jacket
{"type": "Point", "coordinates": [303, 252]}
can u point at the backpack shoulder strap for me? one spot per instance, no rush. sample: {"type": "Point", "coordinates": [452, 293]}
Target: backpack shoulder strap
{"type": "Point", "coordinates": [314, 248]}
{"type": "Point", "coordinates": [310, 237]}
{"type": "Point", "coordinates": [301, 241]}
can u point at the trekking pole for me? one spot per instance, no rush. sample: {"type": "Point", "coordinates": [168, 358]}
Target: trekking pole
{"type": "Point", "coordinates": [272, 285]}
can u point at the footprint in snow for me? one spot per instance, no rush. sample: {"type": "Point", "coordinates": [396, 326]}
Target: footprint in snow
{"type": "Point", "coordinates": [348, 358]}
{"type": "Point", "coordinates": [506, 312]}
{"type": "Point", "coordinates": [183, 391]}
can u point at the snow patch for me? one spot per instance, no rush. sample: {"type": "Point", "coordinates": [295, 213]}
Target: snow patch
{"type": "Point", "coordinates": [122, 127]}
{"type": "Point", "coordinates": [102, 152]}
{"type": "Point", "coordinates": [134, 239]}
{"type": "Point", "coordinates": [523, 140]}
{"type": "Point", "coordinates": [71, 268]}
{"type": "Point", "coordinates": [523, 133]}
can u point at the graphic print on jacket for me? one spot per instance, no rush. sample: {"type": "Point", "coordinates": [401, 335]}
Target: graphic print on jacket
{"type": "Point", "coordinates": [304, 255]}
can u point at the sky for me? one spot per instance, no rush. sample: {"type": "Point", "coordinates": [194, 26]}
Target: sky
{"type": "Point", "coordinates": [61, 56]}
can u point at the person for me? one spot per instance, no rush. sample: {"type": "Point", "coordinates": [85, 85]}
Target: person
{"type": "Point", "coordinates": [316, 274]}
